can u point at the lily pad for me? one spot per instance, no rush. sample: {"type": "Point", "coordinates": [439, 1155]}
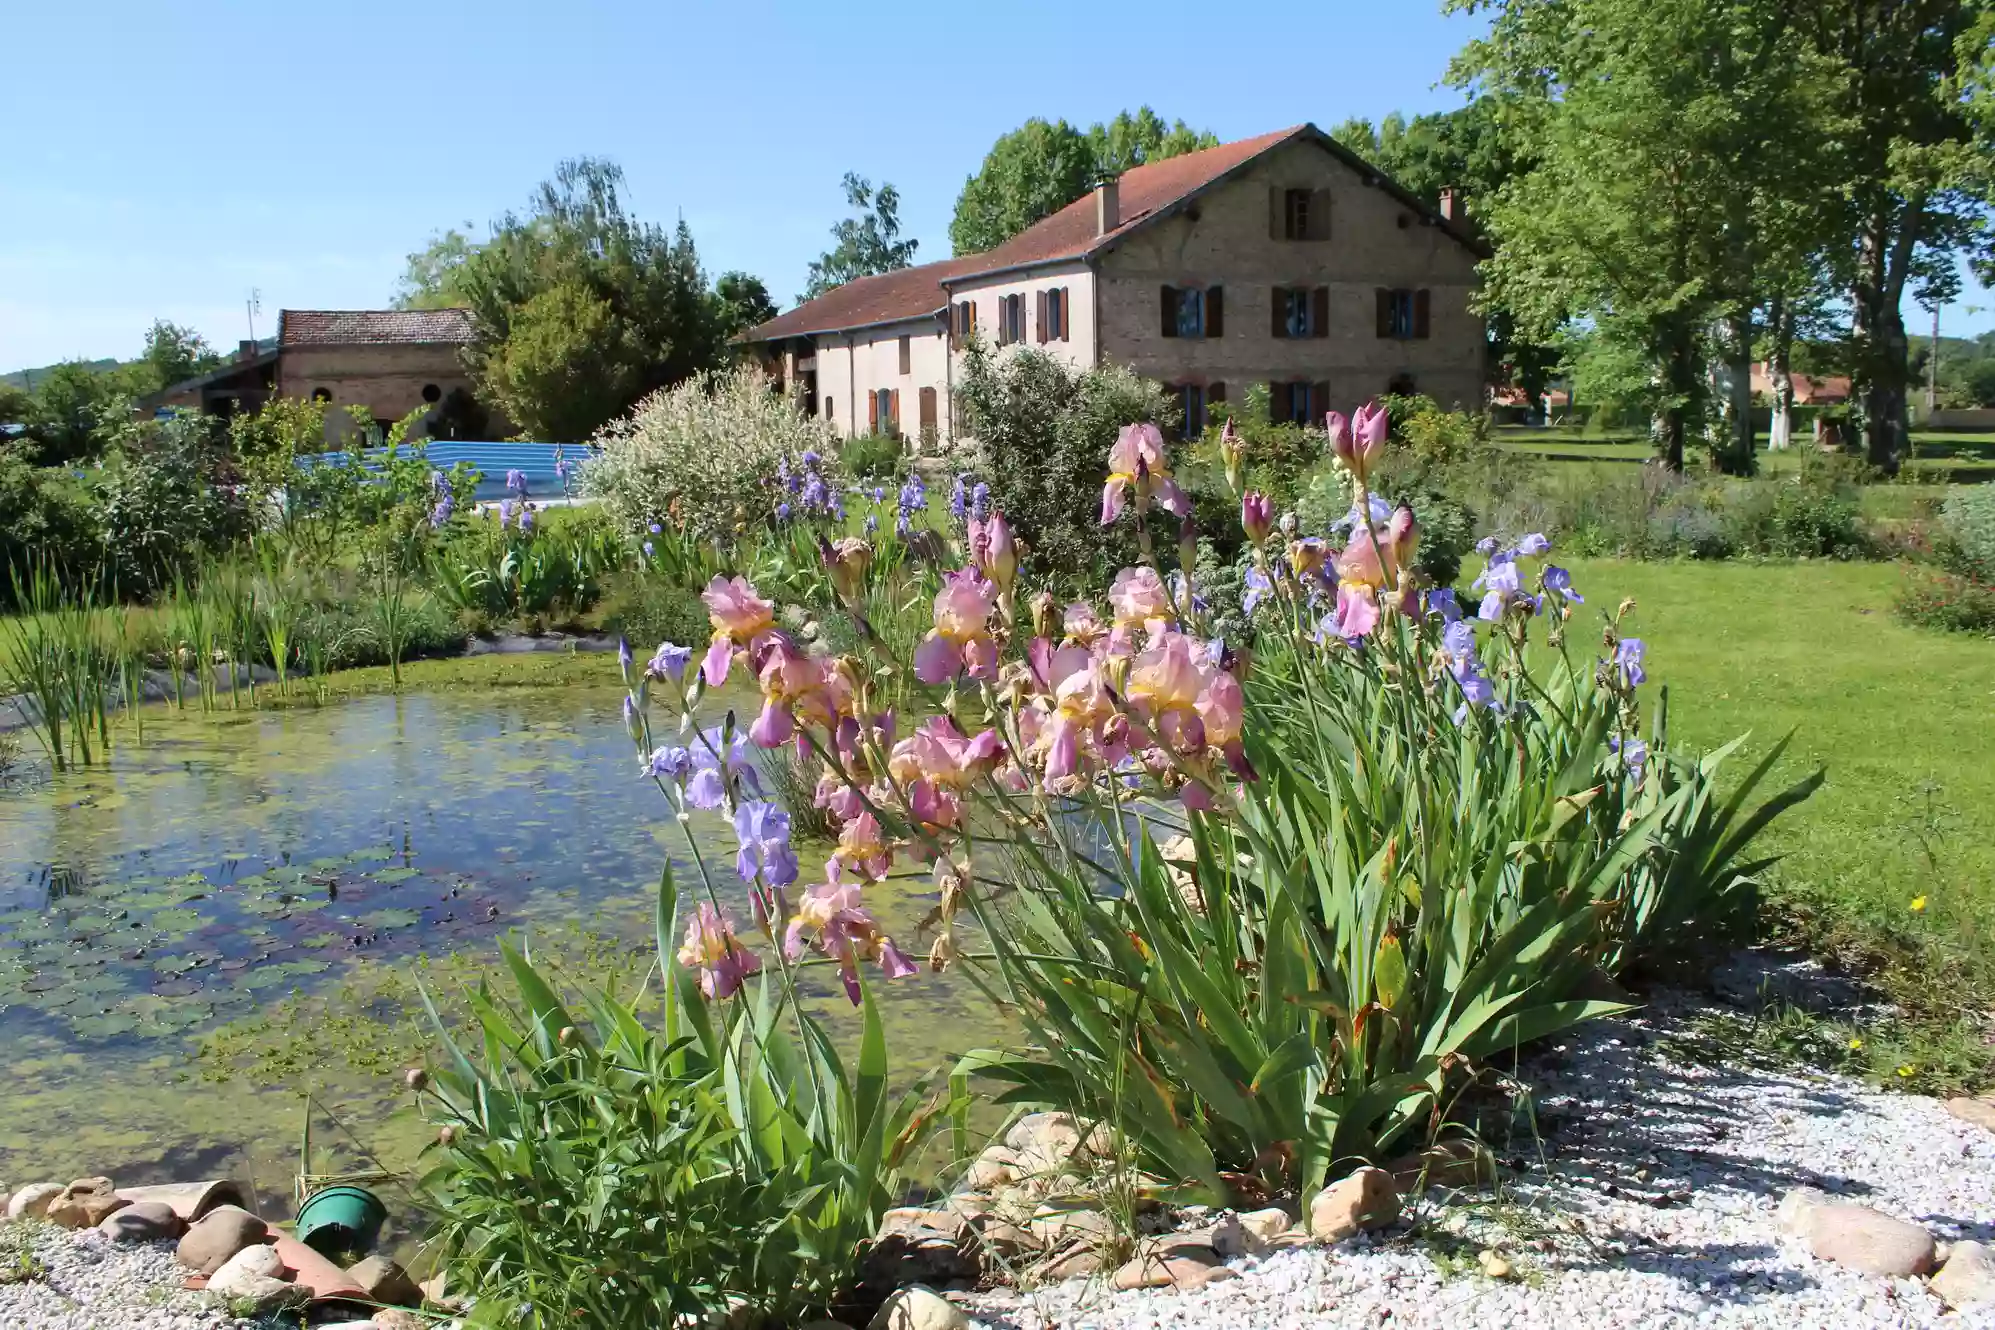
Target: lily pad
{"type": "Point", "coordinates": [392, 875]}
{"type": "Point", "coordinates": [176, 921]}
{"type": "Point", "coordinates": [390, 918]}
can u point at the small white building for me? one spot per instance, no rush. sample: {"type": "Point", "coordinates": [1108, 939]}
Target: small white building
{"type": "Point", "coordinates": [1284, 259]}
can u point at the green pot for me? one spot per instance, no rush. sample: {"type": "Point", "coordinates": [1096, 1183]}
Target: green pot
{"type": "Point", "coordinates": [341, 1219]}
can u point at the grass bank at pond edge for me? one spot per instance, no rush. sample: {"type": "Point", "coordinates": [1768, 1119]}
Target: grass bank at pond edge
{"type": "Point", "coordinates": [1891, 866]}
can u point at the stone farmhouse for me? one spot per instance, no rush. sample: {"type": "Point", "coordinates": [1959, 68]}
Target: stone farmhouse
{"type": "Point", "coordinates": [390, 361]}
{"type": "Point", "coordinates": [1284, 260]}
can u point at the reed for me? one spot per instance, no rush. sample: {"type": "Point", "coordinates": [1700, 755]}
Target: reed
{"type": "Point", "coordinates": [54, 655]}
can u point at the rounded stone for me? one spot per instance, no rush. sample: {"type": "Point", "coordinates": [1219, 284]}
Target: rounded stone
{"type": "Point", "coordinates": [1365, 1199]}
{"type": "Point", "coordinates": [219, 1235]}
{"type": "Point", "coordinates": [918, 1308]}
{"type": "Point", "coordinates": [1968, 1277]}
{"type": "Point", "coordinates": [141, 1221]}
{"type": "Point", "coordinates": [1863, 1239]}
{"type": "Point", "coordinates": [33, 1200]}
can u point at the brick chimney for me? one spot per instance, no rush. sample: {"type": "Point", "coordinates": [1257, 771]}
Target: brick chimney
{"type": "Point", "coordinates": [245, 351]}
{"type": "Point", "coordinates": [1107, 207]}
{"type": "Point", "coordinates": [1451, 204]}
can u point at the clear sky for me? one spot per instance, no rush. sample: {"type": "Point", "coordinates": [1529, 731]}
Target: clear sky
{"type": "Point", "coordinates": [166, 158]}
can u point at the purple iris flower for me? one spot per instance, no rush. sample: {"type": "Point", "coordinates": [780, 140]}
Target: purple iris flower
{"type": "Point", "coordinates": [959, 499]}
{"type": "Point", "coordinates": [980, 500]}
{"type": "Point", "coordinates": [708, 786]}
{"type": "Point", "coordinates": [1533, 545]}
{"type": "Point", "coordinates": [671, 763]}
{"type": "Point", "coordinates": [440, 514]}
{"type": "Point", "coordinates": [872, 524]}
{"type": "Point", "coordinates": [655, 528]}
{"type": "Point", "coordinates": [1635, 753]}
{"type": "Point", "coordinates": [1259, 587]}
{"type": "Point", "coordinates": [782, 512]}
{"type": "Point", "coordinates": [913, 495]}
{"type": "Point", "coordinates": [811, 458]}
{"type": "Point", "coordinates": [526, 517]}
{"type": "Point", "coordinates": [1559, 580]}
{"type": "Point", "coordinates": [1487, 546]}
{"type": "Point", "coordinates": [668, 662]}
{"type": "Point", "coordinates": [815, 495]}
{"type": "Point", "coordinates": [879, 494]}
{"type": "Point", "coordinates": [439, 483]}
{"type": "Point", "coordinates": [764, 832]}
{"type": "Point", "coordinates": [1381, 511]}
{"type": "Point", "coordinates": [1442, 601]}
{"type": "Point", "coordinates": [632, 721]}
{"type": "Point", "coordinates": [648, 550]}
{"type": "Point", "coordinates": [506, 513]}
{"type": "Point", "coordinates": [516, 481]}
{"type": "Point", "coordinates": [901, 526]}
{"type": "Point", "coordinates": [1465, 665]}
{"type": "Point", "coordinates": [624, 658]}
{"type": "Point", "coordinates": [1628, 656]}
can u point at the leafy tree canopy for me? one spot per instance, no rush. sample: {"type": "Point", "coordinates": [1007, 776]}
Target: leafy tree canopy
{"type": "Point", "coordinates": [431, 279]}
{"type": "Point", "coordinates": [744, 302]}
{"type": "Point", "coordinates": [1041, 167]}
{"type": "Point", "coordinates": [579, 309]}
{"type": "Point", "coordinates": [867, 244]}
{"type": "Point", "coordinates": [172, 355]}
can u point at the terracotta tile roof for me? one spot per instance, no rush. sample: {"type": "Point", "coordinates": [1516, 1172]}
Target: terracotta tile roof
{"type": "Point", "coordinates": [348, 327]}
{"type": "Point", "coordinates": [906, 294]}
{"type": "Point", "coordinates": [1143, 194]}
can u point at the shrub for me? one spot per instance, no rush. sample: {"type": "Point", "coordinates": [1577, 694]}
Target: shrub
{"type": "Point", "coordinates": [1967, 519]}
{"type": "Point", "coordinates": [1947, 601]}
{"type": "Point", "coordinates": [873, 456]}
{"type": "Point", "coordinates": [46, 517]}
{"type": "Point", "coordinates": [646, 608]}
{"type": "Point", "coordinates": [701, 455]}
{"type": "Point", "coordinates": [1043, 431]}
{"type": "Point", "coordinates": [170, 495]}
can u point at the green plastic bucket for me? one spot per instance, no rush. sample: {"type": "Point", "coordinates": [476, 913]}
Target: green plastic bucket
{"type": "Point", "coordinates": [341, 1219]}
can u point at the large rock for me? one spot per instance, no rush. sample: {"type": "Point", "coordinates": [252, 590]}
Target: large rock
{"type": "Point", "coordinates": [33, 1200]}
{"type": "Point", "coordinates": [1797, 1209]}
{"type": "Point", "coordinates": [1365, 1199]}
{"type": "Point", "coordinates": [918, 1308]}
{"type": "Point", "coordinates": [1968, 1277]}
{"type": "Point", "coordinates": [189, 1200]}
{"type": "Point", "coordinates": [86, 1203]}
{"type": "Point", "coordinates": [1057, 1225]}
{"type": "Point", "coordinates": [1179, 1266]}
{"type": "Point", "coordinates": [385, 1281]}
{"type": "Point", "coordinates": [142, 1221]}
{"type": "Point", "coordinates": [1863, 1239]}
{"type": "Point", "coordinates": [1981, 1112]}
{"type": "Point", "coordinates": [918, 1246]}
{"type": "Point", "coordinates": [220, 1234]}
{"type": "Point", "coordinates": [254, 1277]}
{"type": "Point", "coordinates": [1264, 1226]}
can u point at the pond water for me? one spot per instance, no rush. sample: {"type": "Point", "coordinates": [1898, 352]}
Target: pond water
{"type": "Point", "coordinates": [231, 915]}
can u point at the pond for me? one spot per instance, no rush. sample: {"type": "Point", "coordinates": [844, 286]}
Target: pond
{"type": "Point", "coordinates": [235, 913]}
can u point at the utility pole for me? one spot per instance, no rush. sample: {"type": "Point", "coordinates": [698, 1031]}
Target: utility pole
{"type": "Point", "coordinates": [252, 305]}
{"type": "Point", "coordinates": [1933, 366]}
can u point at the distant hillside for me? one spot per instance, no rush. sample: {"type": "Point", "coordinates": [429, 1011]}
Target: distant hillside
{"type": "Point", "coordinates": [28, 378]}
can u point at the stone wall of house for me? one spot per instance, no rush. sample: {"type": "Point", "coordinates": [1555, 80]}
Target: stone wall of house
{"type": "Point", "coordinates": [1230, 237]}
{"type": "Point", "coordinates": [853, 366]}
{"type": "Point", "coordinates": [387, 378]}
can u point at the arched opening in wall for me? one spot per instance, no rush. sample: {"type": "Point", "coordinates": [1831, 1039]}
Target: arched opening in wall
{"type": "Point", "coordinates": [432, 394]}
{"type": "Point", "coordinates": [322, 395]}
{"type": "Point", "coordinates": [1401, 386]}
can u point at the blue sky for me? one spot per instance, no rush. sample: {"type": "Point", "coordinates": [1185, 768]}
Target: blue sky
{"type": "Point", "coordinates": [167, 158]}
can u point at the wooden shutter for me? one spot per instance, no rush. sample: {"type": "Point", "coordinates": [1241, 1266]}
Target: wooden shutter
{"type": "Point", "coordinates": [1319, 214]}
{"type": "Point", "coordinates": [1319, 312]}
{"type": "Point", "coordinates": [894, 410]}
{"type": "Point", "coordinates": [1168, 299]}
{"type": "Point", "coordinates": [872, 413]}
{"type": "Point", "coordinates": [1215, 311]}
{"type": "Point", "coordinates": [1319, 402]}
{"type": "Point", "coordinates": [1423, 313]}
{"type": "Point", "coordinates": [1066, 314]}
{"type": "Point", "coordinates": [927, 409]}
{"type": "Point", "coordinates": [1384, 311]}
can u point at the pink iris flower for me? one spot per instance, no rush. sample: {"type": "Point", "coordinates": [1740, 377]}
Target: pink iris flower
{"type": "Point", "coordinates": [1137, 460]}
{"type": "Point", "coordinates": [711, 946]}
{"type": "Point", "coordinates": [1357, 611]}
{"type": "Point", "coordinates": [961, 642]}
{"type": "Point", "coordinates": [1139, 596]}
{"type": "Point", "coordinates": [738, 616]}
{"type": "Point", "coordinates": [831, 918]}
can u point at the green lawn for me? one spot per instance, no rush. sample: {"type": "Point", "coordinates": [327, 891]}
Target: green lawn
{"type": "Point", "coordinates": [1904, 720]}
{"type": "Point", "coordinates": [1936, 458]}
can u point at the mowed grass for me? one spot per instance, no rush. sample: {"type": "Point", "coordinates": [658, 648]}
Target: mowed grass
{"type": "Point", "coordinates": [1904, 721]}
{"type": "Point", "coordinates": [1937, 458]}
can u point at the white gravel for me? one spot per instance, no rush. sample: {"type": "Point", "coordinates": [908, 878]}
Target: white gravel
{"type": "Point", "coordinates": [92, 1283]}
{"type": "Point", "coordinates": [1653, 1208]}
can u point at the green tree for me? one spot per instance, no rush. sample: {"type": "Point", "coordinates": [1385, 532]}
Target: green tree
{"type": "Point", "coordinates": [1667, 132]}
{"type": "Point", "coordinates": [868, 244]}
{"type": "Point", "coordinates": [430, 279]}
{"type": "Point", "coordinates": [76, 408]}
{"type": "Point", "coordinates": [642, 316]}
{"type": "Point", "coordinates": [743, 302]}
{"type": "Point", "coordinates": [173, 354]}
{"type": "Point", "coordinates": [1041, 167]}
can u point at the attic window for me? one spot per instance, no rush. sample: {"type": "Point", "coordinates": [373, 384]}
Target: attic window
{"type": "Point", "coordinates": [322, 394]}
{"type": "Point", "coordinates": [432, 394]}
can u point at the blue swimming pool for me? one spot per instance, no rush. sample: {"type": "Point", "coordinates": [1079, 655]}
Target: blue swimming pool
{"type": "Point", "coordinates": [494, 459]}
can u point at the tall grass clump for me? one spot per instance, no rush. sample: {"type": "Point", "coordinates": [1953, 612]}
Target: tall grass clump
{"type": "Point", "coordinates": [56, 654]}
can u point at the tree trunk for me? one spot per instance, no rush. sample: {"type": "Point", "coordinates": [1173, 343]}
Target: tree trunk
{"type": "Point", "coordinates": [1681, 380]}
{"type": "Point", "coordinates": [1735, 439]}
{"type": "Point", "coordinates": [1878, 332]}
{"type": "Point", "coordinates": [1780, 319]}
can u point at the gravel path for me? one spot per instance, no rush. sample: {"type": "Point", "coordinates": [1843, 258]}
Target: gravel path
{"type": "Point", "coordinates": [1653, 1207]}
{"type": "Point", "coordinates": [91, 1283]}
